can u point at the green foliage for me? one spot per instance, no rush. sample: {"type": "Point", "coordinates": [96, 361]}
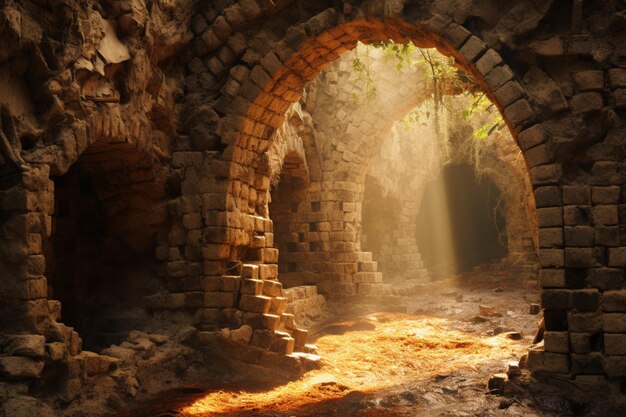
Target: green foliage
{"type": "Point", "coordinates": [480, 105]}
{"type": "Point", "coordinates": [416, 117]}
{"type": "Point", "coordinates": [440, 70]}
{"type": "Point", "coordinates": [364, 76]}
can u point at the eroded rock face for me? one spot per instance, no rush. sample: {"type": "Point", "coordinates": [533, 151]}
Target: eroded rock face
{"type": "Point", "coordinates": [162, 113]}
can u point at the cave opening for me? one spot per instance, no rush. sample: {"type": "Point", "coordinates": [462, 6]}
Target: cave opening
{"type": "Point", "coordinates": [477, 224]}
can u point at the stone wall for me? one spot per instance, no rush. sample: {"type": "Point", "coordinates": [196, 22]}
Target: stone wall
{"type": "Point", "coordinates": [414, 154]}
{"type": "Point", "coordinates": [197, 90]}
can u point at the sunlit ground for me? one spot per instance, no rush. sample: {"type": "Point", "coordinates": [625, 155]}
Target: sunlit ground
{"type": "Point", "coordinates": [402, 348]}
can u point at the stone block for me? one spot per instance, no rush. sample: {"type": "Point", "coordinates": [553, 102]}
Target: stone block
{"type": "Point", "coordinates": [509, 93]}
{"type": "Point", "coordinates": [556, 363]}
{"type": "Point", "coordinates": [282, 344]}
{"type": "Point", "coordinates": [219, 299]}
{"type": "Point", "coordinates": [230, 283]}
{"type": "Point", "coordinates": [456, 35]}
{"type": "Point", "coordinates": [579, 257]}
{"type": "Point", "coordinates": [300, 337]}
{"type": "Point", "coordinates": [581, 236]}
{"type": "Point", "coordinates": [499, 76]}
{"type": "Point", "coordinates": [24, 406]}
{"type": "Point", "coordinates": [605, 215]}
{"type": "Point", "coordinates": [550, 217]}
{"type": "Point", "coordinates": [576, 195]}
{"type": "Point", "coordinates": [614, 322]}
{"type": "Point", "coordinates": [615, 344]}
{"type": "Point", "coordinates": [585, 300]}
{"type": "Point", "coordinates": [278, 305]}
{"type": "Point", "coordinates": [585, 322]}
{"type": "Point", "coordinates": [605, 195]}
{"type": "Point", "coordinates": [20, 367]}
{"type": "Point", "coordinates": [580, 342]}
{"type": "Point", "coordinates": [615, 366]}
{"type": "Point", "coordinates": [605, 278]}
{"type": "Point", "coordinates": [587, 102]}
{"type": "Point", "coordinates": [589, 80]}
{"type": "Point", "coordinates": [556, 342]}
{"type": "Point", "coordinates": [548, 196]}
{"type": "Point", "coordinates": [617, 77]}
{"type": "Point", "coordinates": [488, 61]}
{"type": "Point", "coordinates": [614, 301]}
{"type": "Point", "coordinates": [617, 257]}
{"type": "Point", "coordinates": [252, 286]}
{"type": "Point", "coordinates": [551, 237]}
{"type": "Point", "coordinates": [519, 112]}
{"type": "Point", "coordinates": [590, 363]}
{"type": "Point", "coordinates": [555, 299]}
{"type": "Point", "coordinates": [552, 278]}
{"type": "Point", "coordinates": [619, 98]}
{"type": "Point", "coordinates": [25, 345]}
{"type": "Point", "coordinates": [531, 137]}
{"type": "Point", "coordinates": [255, 303]}
{"type": "Point", "coordinates": [272, 288]}
{"type": "Point", "coordinates": [551, 258]}
{"type": "Point", "coordinates": [250, 271]}
{"type": "Point", "coordinates": [242, 334]}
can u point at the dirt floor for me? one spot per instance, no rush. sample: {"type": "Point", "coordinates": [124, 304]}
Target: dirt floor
{"type": "Point", "coordinates": [434, 360]}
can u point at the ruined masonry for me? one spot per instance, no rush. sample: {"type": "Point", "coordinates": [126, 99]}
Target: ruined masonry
{"type": "Point", "coordinates": [141, 143]}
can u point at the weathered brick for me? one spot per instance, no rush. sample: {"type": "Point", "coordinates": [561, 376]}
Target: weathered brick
{"type": "Point", "coordinates": [589, 80]}
{"type": "Point", "coordinates": [617, 257]}
{"type": "Point", "coordinates": [519, 112]}
{"type": "Point", "coordinates": [552, 278]}
{"type": "Point", "coordinates": [617, 77]}
{"type": "Point", "coordinates": [576, 195]}
{"type": "Point", "coordinates": [615, 344]}
{"type": "Point", "coordinates": [555, 299]}
{"type": "Point", "coordinates": [585, 322]}
{"type": "Point", "coordinates": [532, 137]}
{"type": "Point", "coordinates": [550, 217]}
{"type": "Point", "coordinates": [605, 278]}
{"type": "Point", "coordinates": [556, 342]}
{"type": "Point", "coordinates": [585, 300]}
{"type": "Point", "coordinates": [579, 257]}
{"type": "Point", "coordinates": [488, 61]}
{"type": "Point", "coordinates": [255, 303]}
{"type": "Point", "coordinates": [614, 322]}
{"type": "Point", "coordinates": [472, 49]}
{"type": "Point", "coordinates": [614, 301]}
{"type": "Point", "coordinates": [581, 236]}
{"type": "Point", "coordinates": [557, 363]}
{"type": "Point", "coordinates": [586, 102]}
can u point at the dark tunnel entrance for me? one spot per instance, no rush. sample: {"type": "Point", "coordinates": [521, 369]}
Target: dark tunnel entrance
{"type": "Point", "coordinates": [477, 225]}
{"type": "Point", "coordinates": [100, 256]}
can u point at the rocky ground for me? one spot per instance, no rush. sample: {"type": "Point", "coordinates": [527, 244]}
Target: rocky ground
{"type": "Point", "coordinates": [434, 360]}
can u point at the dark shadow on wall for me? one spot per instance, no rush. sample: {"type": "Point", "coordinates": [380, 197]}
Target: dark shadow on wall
{"type": "Point", "coordinates": [477, 225]}
{"type": "Point", "coordinates": [99, 280]}
{"type": "Point", "coordinates": [291, 232]}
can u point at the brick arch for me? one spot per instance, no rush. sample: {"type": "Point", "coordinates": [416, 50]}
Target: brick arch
{"type": "Point", "coordinates": [263, 92]}
{"type": "Point", "coordinates": [275, 86]}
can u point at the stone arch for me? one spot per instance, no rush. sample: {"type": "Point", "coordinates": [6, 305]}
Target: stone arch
{"type": "Point", "coordinates": [282, 58]}
{"type": "Point", "coordinates": [257, 104]}
{"type": "Point", "coordinates": [258, 116]}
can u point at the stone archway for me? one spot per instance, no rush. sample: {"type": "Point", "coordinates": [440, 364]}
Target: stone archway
{"type": "Point", "coordinates": [265, 89]}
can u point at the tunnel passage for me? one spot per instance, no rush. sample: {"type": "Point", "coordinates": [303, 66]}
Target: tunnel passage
{"type": "Point", "coordinates": [476, 227]}
{"type": "Point", "coordinates": [290, 233]}
{"type": "Point", "coordinates": [99, 257]}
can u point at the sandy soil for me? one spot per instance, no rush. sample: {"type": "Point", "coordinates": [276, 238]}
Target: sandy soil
{"type": "Point", "coordinates": [434, 360]}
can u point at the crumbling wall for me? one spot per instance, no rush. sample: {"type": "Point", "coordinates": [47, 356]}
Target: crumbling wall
{"type": "Point", "coordinates": [555, 71]}
{"type": "Point", "coordinates": [514, 53]}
